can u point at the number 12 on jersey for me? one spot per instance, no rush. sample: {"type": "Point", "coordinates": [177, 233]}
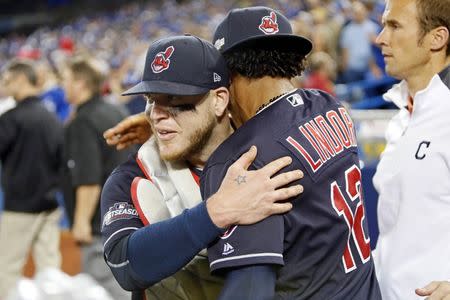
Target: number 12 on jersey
{"type": "Point", "coordinates": [354, 221]}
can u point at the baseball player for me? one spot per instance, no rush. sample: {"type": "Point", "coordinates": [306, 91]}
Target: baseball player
{"type": "Point", "coordinates": [320, 249]}
{"type": "Point", "coordinates": [154, 221]}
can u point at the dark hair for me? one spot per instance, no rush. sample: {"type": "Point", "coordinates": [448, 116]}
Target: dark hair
{"type": "Point", "coordinates": [432, 14]}
{"type": "Point", "coordinates": [23, 67]}
{"type": "Point", "coordinates": [83, 68]}
{"type": "Point", "coordinates": [256, 62]}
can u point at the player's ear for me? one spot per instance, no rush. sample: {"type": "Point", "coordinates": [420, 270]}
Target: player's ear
{"type": "Point", "coordinates": [221, 100]}
{"type": "Point", "coordinates": [439, 38]}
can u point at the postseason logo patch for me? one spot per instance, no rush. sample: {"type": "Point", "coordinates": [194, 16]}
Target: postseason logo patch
{"type": "Point", "coordinates": [119, 211]}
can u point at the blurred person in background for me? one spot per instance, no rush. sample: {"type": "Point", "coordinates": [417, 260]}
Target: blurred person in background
{"type": "Point", "coordinates": [52, 93]}
{"type": "Point", "coordinates": [89, 162]}
{"type": "Point", "coordinates": [303, 24]}
{"type": "Point", "coordinates": [322, 72]}
{"type": "Point", "coordinates": [357, 60]}
{"type": "Point", "coordinates": [325, 33]}
{"type": "Point", "coordinates": [123, 77]}
{"type": "Point", "coordinates": [325, 28]}
{"type": "Point", "coordinates": [31, 140]}
{"type": "Point", "coordinates": [413, 175]}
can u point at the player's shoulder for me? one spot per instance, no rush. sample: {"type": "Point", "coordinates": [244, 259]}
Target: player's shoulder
{"type": "Point", "coordinates": [129, 166]}
{"type": "Point", "coordinates": [122, 176]}
{"type": "Point", "coordinates": [274, 120]}
{"type": "Point", "coordinates": [318, 99]}
{"type": "Point", "coordinates": [116, 192]}
{"type": "Point", "coordinates": [297, 105]}
{"type": "Point", "coordinates": [444, 76]}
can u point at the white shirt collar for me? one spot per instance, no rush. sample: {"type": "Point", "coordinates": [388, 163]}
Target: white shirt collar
{"type": "Point", "coordinates": [399, 94]}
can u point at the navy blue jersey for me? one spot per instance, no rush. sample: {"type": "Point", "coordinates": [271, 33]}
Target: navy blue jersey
{"type": "Point", "coordinates": [119, 216]}
{"type": "Point", "coordinates": [322, 245]}
{"type": "Point", "coordinates": [142, 251]}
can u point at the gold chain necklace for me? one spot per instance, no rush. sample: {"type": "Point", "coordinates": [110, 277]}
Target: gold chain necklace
{"type": "Point", "coordinates": [269, 102]}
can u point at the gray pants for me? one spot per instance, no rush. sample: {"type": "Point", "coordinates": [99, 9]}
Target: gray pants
{"type": "Point", "coordinates": [22, 232]}
{"type": "Point", "coordinates": [94, 265]}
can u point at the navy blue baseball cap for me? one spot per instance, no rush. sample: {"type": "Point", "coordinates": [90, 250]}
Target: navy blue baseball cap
{"type": "Point", "coordinates": [258, 25]}
{"type": "Point", "coordinates": [182, 65]}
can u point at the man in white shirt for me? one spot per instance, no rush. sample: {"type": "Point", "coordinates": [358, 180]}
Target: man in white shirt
{"type": "Point", "coordinates": [413, 176]}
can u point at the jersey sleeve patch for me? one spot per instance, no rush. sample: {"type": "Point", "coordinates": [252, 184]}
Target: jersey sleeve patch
{"type": "Point", "coordinates": [119, 211]}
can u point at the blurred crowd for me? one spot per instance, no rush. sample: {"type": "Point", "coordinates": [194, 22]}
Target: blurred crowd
{"type": "Point", "coordinates": [343, 33]}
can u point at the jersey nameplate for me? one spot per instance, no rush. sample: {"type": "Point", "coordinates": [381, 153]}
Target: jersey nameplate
{"type": "Point", "coordinates": [317, 141]}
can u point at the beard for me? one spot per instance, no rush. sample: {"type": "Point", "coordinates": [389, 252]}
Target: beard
{"type": "Point", "coordinates": [195, 142]}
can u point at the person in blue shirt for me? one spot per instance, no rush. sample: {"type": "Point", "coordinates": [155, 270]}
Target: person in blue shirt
{"type": "Point", "coordinates": [52, 94]}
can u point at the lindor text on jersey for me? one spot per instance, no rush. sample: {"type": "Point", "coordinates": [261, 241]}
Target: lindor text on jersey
{"type": "Point", "coordinates": [328, 135]}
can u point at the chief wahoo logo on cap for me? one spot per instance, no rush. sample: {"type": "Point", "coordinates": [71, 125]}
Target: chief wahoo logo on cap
{"type": "Point", "coordinates": [161, 61]}
{"type": "Point", "coordinates": [269, 24]}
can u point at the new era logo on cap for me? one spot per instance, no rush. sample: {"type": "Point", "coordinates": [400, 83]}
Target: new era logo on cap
{"type": "Point", "coordinates": [219, 43]}
{"type": "Point", "coordinates": [217, 77]}
{"type": "Point", "coordinates": [161, 61]}
{"type": "Point", "coordinates": [269, 24]}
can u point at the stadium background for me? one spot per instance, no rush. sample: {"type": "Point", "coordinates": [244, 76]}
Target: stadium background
{"type": "Point", "coordinates": [118, 33]}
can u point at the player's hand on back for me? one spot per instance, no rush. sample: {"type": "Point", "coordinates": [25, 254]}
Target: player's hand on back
{"type": "Point", "coordinates": [246, 197]}
{"type": "Point", "coordinates": [436, 290]}
{"type": "Point", "coordinates": [132, 130]}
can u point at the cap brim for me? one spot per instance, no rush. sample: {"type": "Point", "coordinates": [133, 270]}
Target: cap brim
{"type": "Point", "coordinates": [287, 41]}
{"type": "Point", "coordinates": [165, 87]}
